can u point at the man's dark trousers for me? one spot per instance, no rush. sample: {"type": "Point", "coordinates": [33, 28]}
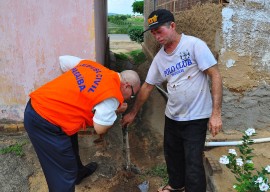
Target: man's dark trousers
{"type": "Point", "coordinates": [183, 149]}
{"type": "Point", "coordinates": [54, 150]}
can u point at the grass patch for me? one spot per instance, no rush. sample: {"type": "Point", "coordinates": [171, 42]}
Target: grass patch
{"type": "Point", "coordinates": [159, 171]}
{"type": "Point", "coordinates": [121, 56]}
{"type": "Point", "coordinates": [135, 57]}
{"type": "Point", "coordinates": [120, 26]}
{"type": "Point", "coordinates": [15, 148]}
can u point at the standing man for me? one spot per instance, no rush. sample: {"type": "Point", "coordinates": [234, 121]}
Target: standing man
{"type": "Point", "coordinates": [185, 62]}
{"type": "Point", "coordinates": [88, 94]}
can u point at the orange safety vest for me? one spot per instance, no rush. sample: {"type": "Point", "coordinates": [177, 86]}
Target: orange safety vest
{"type": "Point", "coordinates": [68, 100]}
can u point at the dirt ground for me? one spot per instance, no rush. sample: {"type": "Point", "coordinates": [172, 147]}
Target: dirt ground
{"type": "Point", "coordinates": [24, 173]}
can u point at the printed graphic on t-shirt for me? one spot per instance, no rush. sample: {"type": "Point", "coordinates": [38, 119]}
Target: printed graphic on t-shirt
{"type": "Point", "coordinates": [179, 67]}
{"type": "Point", "coordinates": [80, 79]}
{"type": "Point", "coordinates": [185, 55]}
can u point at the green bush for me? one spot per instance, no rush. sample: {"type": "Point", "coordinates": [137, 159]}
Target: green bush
{"type": "Point", "coordinates": [117, 30]}
{"type": "Point", "coordinates": [138, 6]}
{"type": "Point", "coordinates": [116, 18]}
{"type": "Point", "coordinates": [138, 20]}
{"type": "Point", "coordinates": [137, 56]}
{"type": "Point", "coordinates": [135, 34]}
{"type": "Point", "coordinates": [121, 56]}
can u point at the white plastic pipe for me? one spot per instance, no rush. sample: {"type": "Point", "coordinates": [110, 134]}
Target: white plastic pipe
{"type": "Point", "coordinates": [222, 143]}
{"type": "Point", "coordinates": [230, 143]}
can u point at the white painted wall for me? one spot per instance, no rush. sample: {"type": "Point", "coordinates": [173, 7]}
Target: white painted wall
{"type": "Point", "coordinates": [246, 30]}
{"type": "Point", "coordinates": [245, 55]}
{"type": "Point", "coordinates": [33, 34]}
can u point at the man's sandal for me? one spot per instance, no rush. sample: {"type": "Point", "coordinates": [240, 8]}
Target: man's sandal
{"type": "Point", "coordinates": [168, 188]}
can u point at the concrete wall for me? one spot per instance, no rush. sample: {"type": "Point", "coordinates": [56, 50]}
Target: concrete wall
{"type": "Point", "coordinates": [238, 33]}
{"type": "Point", "coordinates": [33, 35]}
{"type": "Point", "coordinates": [245, 64]}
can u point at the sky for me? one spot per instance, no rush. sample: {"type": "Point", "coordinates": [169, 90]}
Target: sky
{"type": "Point", "coordinates": [120, 6]}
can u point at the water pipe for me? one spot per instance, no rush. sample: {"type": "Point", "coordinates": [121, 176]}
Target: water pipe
{"type": "Point", "coordinates": [221, 143]}
{"type": "Point", "coordinates": [231, 143]}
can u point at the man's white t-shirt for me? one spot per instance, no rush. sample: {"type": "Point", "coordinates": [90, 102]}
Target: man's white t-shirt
{"type": "Point", "coordinates": [189, 95]}
{"type": "Point", "coordinates": [105, 110]}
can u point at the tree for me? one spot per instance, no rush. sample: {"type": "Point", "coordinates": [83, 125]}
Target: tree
{"type": "Point", "coordinates": [137, 7]}
{"type": "Point", "coordinates": [135, 34]}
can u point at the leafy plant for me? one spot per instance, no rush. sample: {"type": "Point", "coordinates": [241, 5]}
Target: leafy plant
{"type": "Point", "coordinates": [137, 56]}
{"type": "Point", "coordinates": [118, 18]}
{"type": "Point", "coordinates": [247, 177]}
{"type": "Point", "coordinates": [16, 148]}
{"type": "Point", "coordinates": [135, 34]}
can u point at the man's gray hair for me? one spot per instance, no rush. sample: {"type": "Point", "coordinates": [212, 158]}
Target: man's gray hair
{"type": "Point", "coordinates": [131, 77]}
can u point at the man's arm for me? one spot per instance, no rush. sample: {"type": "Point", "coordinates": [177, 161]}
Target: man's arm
{"type": "Point", "coordinates": [101, 129]}
{"type": "Point", "coordinates": [215, 121]}
{"type": "Point", "coordinates": [142, 96]}
{"type": "Point", "coordinates": [67, 62]}
{"type": "Point", "coordinates": [105, 115]}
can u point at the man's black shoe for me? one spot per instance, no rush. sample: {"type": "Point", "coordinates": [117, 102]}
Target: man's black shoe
{"type": "Point", "coordinates": [86, 171]}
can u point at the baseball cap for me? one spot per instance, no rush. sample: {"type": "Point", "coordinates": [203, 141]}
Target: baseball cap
{"type": "Point", "coordinates": [158, 18]}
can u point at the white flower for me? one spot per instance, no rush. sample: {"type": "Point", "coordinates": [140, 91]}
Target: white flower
{"type": "Point", "coordinates": [259, 180]}
{"type": "Point", "coordinates": [239, 162]}
{"type": "Point", "coordinates": [263, 187]}
{"type": "Point", "coordinates": [267, 168]}
{"type": "Point", "coordinates": [224, 160]}
{"type": "Point", "coordinates": [234, 186]}
{"type": "Point", "coordinates": [250, 131]}
{"type": "Point", "coordinates": [232, 151]}
{"type": "Point", "coordinates": [249, 162]}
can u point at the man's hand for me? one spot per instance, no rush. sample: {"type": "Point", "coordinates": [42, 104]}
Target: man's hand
{"type": "Point", "coordinates": [215, 124]}
{"type": "Point", "coordinates": [215, 121]}
{"type": "Point", "coordinates": [122, 108]}
{"type": "Point", "coordinates": [142, 96]}
{"type": "Point", "coordinates": [127, 119]}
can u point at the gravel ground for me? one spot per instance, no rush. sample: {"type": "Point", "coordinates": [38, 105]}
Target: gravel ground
{"type": "Point", "coordinates": [14, 170]}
